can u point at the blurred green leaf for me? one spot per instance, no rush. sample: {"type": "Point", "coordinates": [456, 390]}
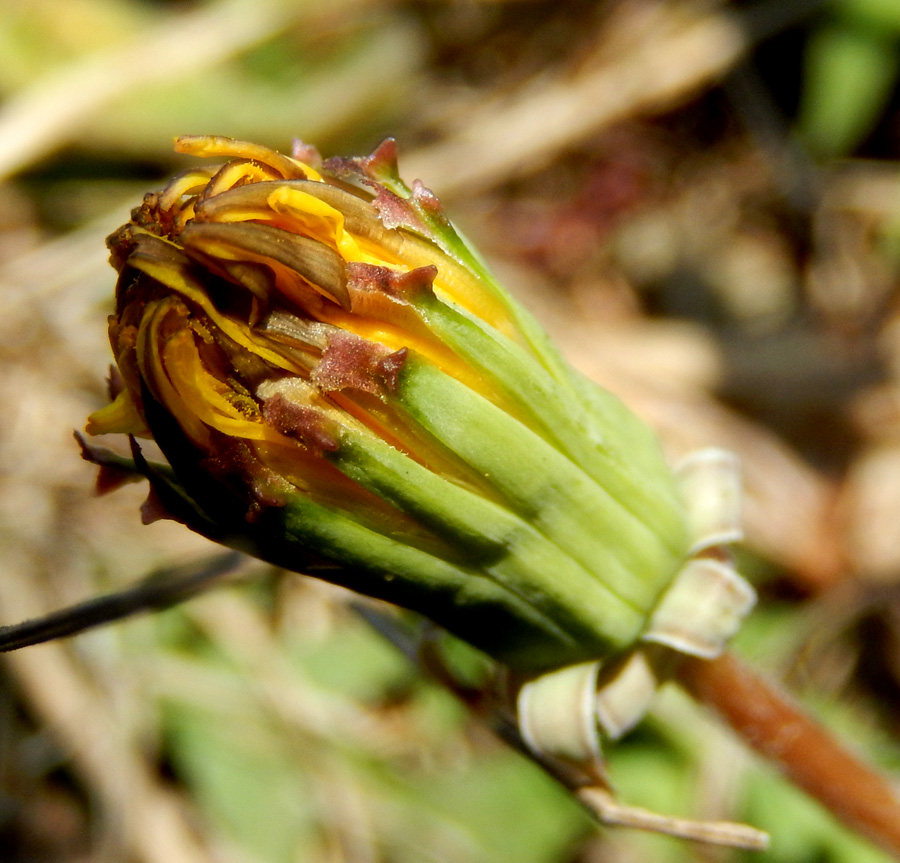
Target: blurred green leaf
{"type": "Point", "coordinates": [801, 831]}
{"type": "Point", "coordinates": [883, 15]}
{"type": "Point", "coordinates": [849, 76]}
{"type": "Point", "coordinates": [508, 811]}
{"type": "Point", "coordinates": [347, 85]}
{"type": "Point", "coordinates": [41, 36]}
{"type": "Point", "coordinates": [244, 780]}
{"type": "Point", "coordinates": [354, 661]}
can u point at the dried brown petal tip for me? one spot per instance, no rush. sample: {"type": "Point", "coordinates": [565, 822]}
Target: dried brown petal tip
{"type": "Point", "coordinates": [300, 422]}
{"type": "Point", "coordinates": [405, 286]}
{"type": "Point", "coordinates": [350, 362]}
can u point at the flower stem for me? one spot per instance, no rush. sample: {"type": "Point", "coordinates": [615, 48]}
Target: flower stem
{"type": "Point", "coordinates": [806, 753]}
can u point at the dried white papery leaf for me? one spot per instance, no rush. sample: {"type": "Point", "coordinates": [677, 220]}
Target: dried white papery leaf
{"type": "Point", "coordinates": [557, 714]}
{"type": "Point", "coordinates": [702, 609]}
{"type": "Point", "coordinates": [710, 482]}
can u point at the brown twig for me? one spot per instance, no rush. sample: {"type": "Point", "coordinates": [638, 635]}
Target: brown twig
{"type": "Point", "coordinates": [806, 753]}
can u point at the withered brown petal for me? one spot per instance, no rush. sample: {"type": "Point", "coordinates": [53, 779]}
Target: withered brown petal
{"type": "Point", "coordinates": [358, 214]}
{"type": "Point", "coordinates": [320, 265]}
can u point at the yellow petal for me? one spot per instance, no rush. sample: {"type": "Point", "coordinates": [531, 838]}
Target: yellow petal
{"type": "Point", "coordinates": [120, 416]}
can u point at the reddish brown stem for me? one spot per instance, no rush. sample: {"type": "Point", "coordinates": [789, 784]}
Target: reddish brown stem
{"type": "Point", "coordinates": [804, 751]}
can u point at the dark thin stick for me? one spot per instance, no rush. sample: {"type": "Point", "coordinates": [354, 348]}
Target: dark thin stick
{"type": "Point", "coordinates": [806, 753]}
{"type": "Point", "coordinates": [161, 589]}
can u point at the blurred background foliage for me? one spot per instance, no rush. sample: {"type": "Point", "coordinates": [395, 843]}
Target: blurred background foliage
{"type": "Point", "coordinates": [700, 199]}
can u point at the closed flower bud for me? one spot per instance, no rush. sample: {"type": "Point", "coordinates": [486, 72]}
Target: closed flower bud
{"type": "Point", "coordinates": [340, 387]}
